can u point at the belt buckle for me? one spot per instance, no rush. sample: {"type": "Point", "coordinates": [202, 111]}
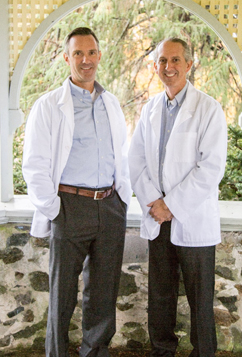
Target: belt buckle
{"type": "Point", "coordinates": [95, 195]}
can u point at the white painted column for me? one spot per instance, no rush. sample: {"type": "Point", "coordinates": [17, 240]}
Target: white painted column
{"type": "Point", "coordinates": [6, 165]}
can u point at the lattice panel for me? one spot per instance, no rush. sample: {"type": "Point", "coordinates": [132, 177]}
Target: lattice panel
{"type": "Point", "coordinates": [228, 13]}
{"type": "Point", "coordinates": [26, 15]}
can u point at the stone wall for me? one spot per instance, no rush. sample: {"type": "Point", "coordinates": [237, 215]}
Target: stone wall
{"type": "Point", "coordinates": [24, 293]}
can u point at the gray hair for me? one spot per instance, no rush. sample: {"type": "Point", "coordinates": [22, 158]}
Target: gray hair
{"type": "Point", "coordinates": [79, 31]}
{"type": "Point", "coordinates": [187, 50]}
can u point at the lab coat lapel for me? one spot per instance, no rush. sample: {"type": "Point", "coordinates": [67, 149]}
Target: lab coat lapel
{"type": "Point", "coordinates": [188, 107]}
{"type": "Point", "coordinates": [114, 124]}
{"type": "Point", "coordinates": [155, 117]}
{"type": "Point", "coordinates": [65, 104]}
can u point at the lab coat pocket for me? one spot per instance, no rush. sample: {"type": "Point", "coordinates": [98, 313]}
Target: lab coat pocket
{"type": "Point", "coordinates": [203, 226]}
{"type": "Point", "coordinates": [184, 147]}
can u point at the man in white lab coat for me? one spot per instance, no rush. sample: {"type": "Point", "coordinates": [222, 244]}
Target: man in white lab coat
{"type": "Point", "coordinates": [177, 159]}
{"type": "Point", "coordinates": [75, 164]}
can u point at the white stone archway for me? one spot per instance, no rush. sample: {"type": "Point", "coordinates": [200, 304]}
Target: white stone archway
{"type": "Point", "coordinates": [15, 114]}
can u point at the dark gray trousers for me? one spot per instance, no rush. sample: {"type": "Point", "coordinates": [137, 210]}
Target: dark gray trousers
{"type": "Point", "coordinates": [198, 268]}
{"type": "Point", "coordinates": [87, 235]}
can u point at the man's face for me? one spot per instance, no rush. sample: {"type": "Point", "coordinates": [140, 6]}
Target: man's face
{"type": "Point", "coordinates": [172, 67]}
{"type": "Point", "coordinates": [83, 59]}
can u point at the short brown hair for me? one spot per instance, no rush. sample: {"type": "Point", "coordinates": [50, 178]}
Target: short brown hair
{"type": "Point", "coordinates": [187, 50]}
{"type": "Point", "coordinates": [79, 31]}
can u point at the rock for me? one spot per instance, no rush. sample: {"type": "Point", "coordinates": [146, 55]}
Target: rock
{"type": "Point", "coordinates": [225, 338]}
{"type": "Point", "coordinates": [182, 291]}
{"type": "Point", "coordinates": [134, 345]}
{"type": "Point", "coordinates": [11, 255]}
{"type": "Point", "coordinates": [18, 239]}
{"type": "Point", "coordinates": [73, 327]}
{"type": "Point", "coordinates": [135, 334]}
{"type": "Point", "coordinates": [144, 289]}
{"type": "Point", "coordinates": [239, 288]}
{"type": "Point", "coordinates": [39, 281]}
{"type": "Point", "coordinates": [124, 306]}
{"type": "Point", "coordinates": [224, 272]}
{"type": "Point", "coordinates": [237, 335]}
{"type": "Point", "coordinates": [5, 341]}
{"type": "Point", "coordinates": [40, 242]}
{"type": "Point", "coordinates": [15, 311]}
{"type": "Point", "coordinates": [183, 307]}
{"type": "Point", "coordinates": [127, 284]}
{"type": "Point", "coordinates": [223, 317]}
{"type": "Point", "coordinates": [228, 298]}
{"type": "Point", "coordinates": [28, 316]}
{"type": "Point", "coordinates": [19, 275]}
{"type": "Point", "coordinates": [3, 289]}
{"type": "Point", "coordinates": [134, 267]}
{"type": "Point", "coordinates": [30, 330]}
{"type": "Point", "coordinates": [9, 322]}
{"type": "Point", "coordinates": [24, 299]}
{"type": "Point", "coordinates": [184, 341]}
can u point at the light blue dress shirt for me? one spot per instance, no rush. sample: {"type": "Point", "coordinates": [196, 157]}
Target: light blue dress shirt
{"type": "Point", "coordinates": [170, 110]}
{"type": "Point", "coordinates": [91, 160]}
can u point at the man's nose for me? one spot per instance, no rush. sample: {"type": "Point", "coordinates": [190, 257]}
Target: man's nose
{"type": "Point", "coordinates": [168, 65]}
{"type": "Point", "coordinates": [85, 59]}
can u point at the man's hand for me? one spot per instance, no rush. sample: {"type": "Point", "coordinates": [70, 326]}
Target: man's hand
{"type": "Point", "coordinates": [159, 211]}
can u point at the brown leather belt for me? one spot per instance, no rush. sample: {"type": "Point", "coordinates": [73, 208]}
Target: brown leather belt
{"type": "Point", "coordinates": [96, 195]}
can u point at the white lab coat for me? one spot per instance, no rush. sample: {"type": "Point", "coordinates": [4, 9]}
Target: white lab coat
{"type": "Point", "coordinates": [193, 167]}
{"type": "Point", "coordinates": [48, 141]}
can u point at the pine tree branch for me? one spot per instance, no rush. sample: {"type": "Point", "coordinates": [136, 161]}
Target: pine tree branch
{"type": "Point", "coordinates": [125, 30]}
{"type": "Point", "coordinates": [140, 22]}
{"type": "Point", "coordinates": [236, 83]}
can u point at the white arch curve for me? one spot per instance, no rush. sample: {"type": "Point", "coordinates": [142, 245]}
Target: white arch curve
{"type": "Point", "coordinates": [17, 78]}
{"type": "Point", "coordinates": [71, 5]}
{"type": "Point", "coordinates": [217, 27]}
{"type": "Point", "coordinates": [15, 115]}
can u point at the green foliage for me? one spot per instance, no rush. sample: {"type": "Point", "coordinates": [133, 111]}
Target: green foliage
{"type": "Point", "coordinates": [129, 30]}
{"type": "Point", "coordinates": [19, 183]}
{"type": "Point", "coordinates": [231, 185]}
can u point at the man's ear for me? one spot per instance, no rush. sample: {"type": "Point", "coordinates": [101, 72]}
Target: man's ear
{"type": "Point", "coordinates": [189, 65]}
{"type": "Point", "coordinates": [155, 67]}
{"type": "Point", "coordinates": [66, 58]}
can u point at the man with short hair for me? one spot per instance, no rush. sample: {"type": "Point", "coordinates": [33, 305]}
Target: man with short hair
{"type": "Point", "coordinates": [177, 159]}
{"type": "Point", "coordinates": [76, 168]}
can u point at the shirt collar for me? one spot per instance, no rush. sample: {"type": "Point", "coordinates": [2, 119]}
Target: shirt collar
{"type": "Point", "coordinates": [76, 90]}
{"type": "Point", "coordinates": [179, 98]}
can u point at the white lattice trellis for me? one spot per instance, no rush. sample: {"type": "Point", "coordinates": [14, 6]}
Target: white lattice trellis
{"type": "Point", "coordinates": [26, 15]}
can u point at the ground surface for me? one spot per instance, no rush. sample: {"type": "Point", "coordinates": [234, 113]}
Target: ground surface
{"type": "Point", "coordinates": [116, 353]}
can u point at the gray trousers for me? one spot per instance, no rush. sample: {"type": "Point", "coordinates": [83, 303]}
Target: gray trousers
{"type": "Point", "coordinates": [197, 265]}
{"type": "Point", "coordinates": [87, 236]}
